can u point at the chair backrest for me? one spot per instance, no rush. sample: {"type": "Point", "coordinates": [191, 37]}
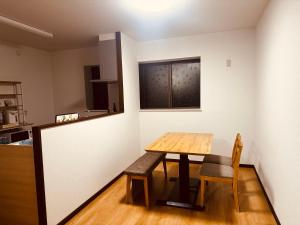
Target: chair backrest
{"type": "Point", "coordinates": [237, 138]}
{"type": "Point", "coordinates": [236, 162]}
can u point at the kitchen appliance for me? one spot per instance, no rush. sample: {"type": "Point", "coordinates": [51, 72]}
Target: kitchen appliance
{"type": "Point", "coordinates": [11, 117]}
{"type": "Point", "coordinates": [14, 136]}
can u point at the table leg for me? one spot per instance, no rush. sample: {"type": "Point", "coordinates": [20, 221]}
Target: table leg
{"type": "Point", "coordinates": [185, 190]}
{"type": "Point", "coordinates": [184, 177]}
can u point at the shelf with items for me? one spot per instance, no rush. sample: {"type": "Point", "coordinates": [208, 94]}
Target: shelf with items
{"type": "Point", "coordinates": [8, 96]}
{"type": "Point", "coordinates": [12, 114]}
{"type": "Point", "coordinates": [9, 83]}
{"type": "Point", "coordinates": [7, 127]}
{"type": "Point", "coordinates": [4, 108]}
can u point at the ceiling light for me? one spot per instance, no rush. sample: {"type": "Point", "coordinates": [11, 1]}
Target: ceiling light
{"type": "Point", "coordinates": [25, 27]}
{"type": "Point", "coordinates": [153, 6]}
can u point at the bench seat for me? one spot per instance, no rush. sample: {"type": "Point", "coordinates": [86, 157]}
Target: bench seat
{"type": "Point", "coordinates": [145, 164]}
{"type": "Point", "coordinates": [141, 169]}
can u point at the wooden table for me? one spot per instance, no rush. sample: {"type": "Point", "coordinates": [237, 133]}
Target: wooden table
{"type": "Point", "coordinates": [185, 191]}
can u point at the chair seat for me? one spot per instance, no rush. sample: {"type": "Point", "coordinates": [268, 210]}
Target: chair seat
{"type": "Point", "coordinates": [145, 164]}
{"type": "Point", "coordinates": [218, 159]}
{"type": "Point", "coordinates": [216, 170]}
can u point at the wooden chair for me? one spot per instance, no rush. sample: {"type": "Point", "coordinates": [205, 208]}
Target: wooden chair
{"type": "Point", "coordinates": [222, 173]}
{"type": "Point", "coordinates": [220, 159]}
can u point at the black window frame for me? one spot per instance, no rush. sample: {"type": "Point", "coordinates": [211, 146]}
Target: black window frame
{"type": "Point", "coordinates": [169, 63]}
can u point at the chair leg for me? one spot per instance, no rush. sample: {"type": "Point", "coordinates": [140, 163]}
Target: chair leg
{"type": "Point", "coordinates": [236, 195]}
{"type": "Point", "coordinates": [202, 192]}
{"type": "Point", "coordinates": [128, 191]}
{"type": "Point", "coordinates": [146, 192]}
{"type": "Point", "coordinates": [165, 167]}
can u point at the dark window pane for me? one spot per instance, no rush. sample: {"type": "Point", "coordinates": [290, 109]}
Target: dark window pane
{"type": "Point", "coordinates": [154, 86]}
{"type": "Point", "coordinates": [172, 84]}
{"type": "Point", "coordinates": [186, 84]}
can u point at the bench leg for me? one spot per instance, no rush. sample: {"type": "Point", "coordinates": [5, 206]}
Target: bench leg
{"type": "Point", "coordinates": [128, 189]}
{"type": "Point", "coordinates": [146, 191]}
{"type": "Point", "coordinates": [165, 167]}
{"type": "Point", "coordinates": [202, 192]}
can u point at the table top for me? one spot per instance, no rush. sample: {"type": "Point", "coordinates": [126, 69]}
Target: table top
{"type": "Point", "coordinates": [182, 143]}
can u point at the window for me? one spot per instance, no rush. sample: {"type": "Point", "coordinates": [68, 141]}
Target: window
{"type": "Point", "coordinates": [172, 84]}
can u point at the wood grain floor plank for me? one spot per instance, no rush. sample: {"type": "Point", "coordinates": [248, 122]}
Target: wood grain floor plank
{"type": "Point", "coordinates": [110, 207]}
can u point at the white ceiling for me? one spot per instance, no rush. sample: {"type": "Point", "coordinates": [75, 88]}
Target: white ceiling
{"type": "Point", "coordinates": [76, 23]}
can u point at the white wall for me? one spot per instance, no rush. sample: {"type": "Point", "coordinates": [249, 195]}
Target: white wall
{"type": "Point", "coordinates": [79, 159]}
{"type": "Point", "coordinates": [68, 78]}
{"type": "Point", "coordinates": [226, 92]}
{"type": "Point", "coordinates": [33, 68]}
{"type": "Point", "coordinates": [277, 127]}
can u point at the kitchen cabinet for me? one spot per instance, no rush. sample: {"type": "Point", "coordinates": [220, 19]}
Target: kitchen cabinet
{"type": "Point", "coordinates": [108, 60]}
{"type": "Point", "coordinates": [18, 200]}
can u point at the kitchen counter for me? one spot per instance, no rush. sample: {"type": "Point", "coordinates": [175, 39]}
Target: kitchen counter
{"type": "Point", "coordinates": [23, 142]}
{"type": "Point", "coordinates": [17, 184]}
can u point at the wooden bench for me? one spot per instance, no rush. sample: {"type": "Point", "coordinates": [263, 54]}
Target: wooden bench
{"type": "Point", "coordinates": [141, 169]}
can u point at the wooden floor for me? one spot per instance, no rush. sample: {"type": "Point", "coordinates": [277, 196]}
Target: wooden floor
{"type": "Point", "coordinates": [110, 208]}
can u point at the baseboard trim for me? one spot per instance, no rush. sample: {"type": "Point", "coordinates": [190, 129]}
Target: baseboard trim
{"type": "Point", "coordinates": [247, 165]}
{"type": "Point", "coordinates": [266, 196]}
{"type": "Point", "coordinates": [66, 219]}
{"type": "Point", "coordinates": [259, 180]}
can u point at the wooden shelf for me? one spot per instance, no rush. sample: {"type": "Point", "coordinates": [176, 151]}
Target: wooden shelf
{"type": "Point", "coordinates": [3, 108]}
{"type": "Point", "coordinates": [13, 127]}
{"type": "Point", "coordinates": [104, 81]}
{"type": "Point", "coordinates": [4, 96]}
{"type": "Point", "coordinates": [9, 82]}
{"type": "Point", "coordinates": [10, 128]}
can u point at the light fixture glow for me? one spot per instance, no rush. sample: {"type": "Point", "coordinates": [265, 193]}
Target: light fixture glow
{"type": "Point", "coordinates": [153, 6]}
{"type": "Point", "coordinates": [25, 27]}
